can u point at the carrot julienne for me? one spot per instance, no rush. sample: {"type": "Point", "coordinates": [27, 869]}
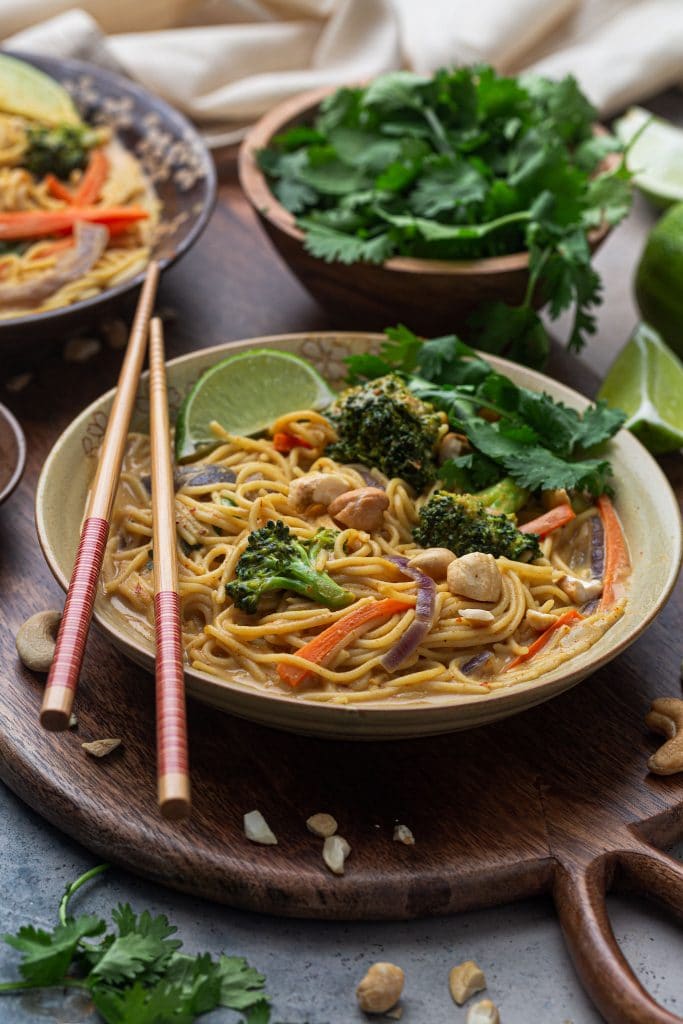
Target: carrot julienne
{"type": "Point", "coordinates": [57, 189]}
{"type": "Point", "coordinates": [549, 521]}
{"type": "Point", "coordinates": [38, 223]}
{"type": "Point", "coordinates": [617, 561]}
{"type": "Point", "coordinates": [93, 179]}
{"type": "Point", "coordinates": [284, 442]}
{"type": "Point", "coordinates": [542, 640]}
{"type": "Point", "coordinates": [338, 635]}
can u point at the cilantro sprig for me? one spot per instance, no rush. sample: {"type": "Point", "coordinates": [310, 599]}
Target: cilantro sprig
{"type": "Point", "coordinates": [462, 165]}
{"type": "Point", "coordinates": [513, 431]}
{"type": "Point", "coordinates": [135, 974]}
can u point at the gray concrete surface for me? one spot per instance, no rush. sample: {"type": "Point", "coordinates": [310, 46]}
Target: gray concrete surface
{"type": "Point", "coordinates": [312, 967]}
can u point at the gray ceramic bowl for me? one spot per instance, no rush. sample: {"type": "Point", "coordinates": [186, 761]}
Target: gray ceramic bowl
{"type": "Point", "coordinates": [172, 154]}
{"type": "Point", "coordinates": [12, 453]}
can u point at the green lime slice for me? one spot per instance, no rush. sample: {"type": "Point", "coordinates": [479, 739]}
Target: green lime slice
{"type": "Point", "coordinates": [30, 93]}
{"type": "Point", "coordinates": [656, 155]}
{"type": "Point", "coordinates": [245, 393]}
{"type": "Point", "coordinates": [646, 381]}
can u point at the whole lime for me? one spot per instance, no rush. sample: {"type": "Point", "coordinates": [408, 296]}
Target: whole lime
{"type": "Point", "coordinates": [659, 278]}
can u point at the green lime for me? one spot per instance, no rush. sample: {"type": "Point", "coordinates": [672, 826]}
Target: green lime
{"type": "Point", "coordinates": [655, 157]}
{"type": "Point", "coordinates": [245, 393]}
{"type": "Point", "coordinates": [659, 278]}
{"type": "Point", "coordinates": [646, 381]}
{"type": "Point", "coordinates": [30, 93]}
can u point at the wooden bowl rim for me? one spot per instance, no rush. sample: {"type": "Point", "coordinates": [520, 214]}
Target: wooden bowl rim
{"type": "Point", "coordinates": [257, 190]}
{"type": "Point", "coordinates": [377, 721]}
{"type": "Point", "coordinates": [11, 427]}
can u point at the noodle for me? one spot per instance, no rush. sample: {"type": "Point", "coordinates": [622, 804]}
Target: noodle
{"type": "Point", "coordinates": [126, 254]}
{"type": "Point", "coordinates": [214, 521]}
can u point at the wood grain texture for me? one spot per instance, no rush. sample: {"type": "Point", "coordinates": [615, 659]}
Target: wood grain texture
{"type": "Point", "coordinates": [555, 800]}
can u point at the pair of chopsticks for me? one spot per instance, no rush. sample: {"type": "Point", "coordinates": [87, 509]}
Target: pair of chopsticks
{"type": "Point", "coordinates": [172, 758]}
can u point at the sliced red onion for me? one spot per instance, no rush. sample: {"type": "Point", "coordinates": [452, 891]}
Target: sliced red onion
{"type": "Point", "coordinates": [371, 481]}
{"type": "Point", "coordinates": [425, 607]}
{"type": "Point", "coordinates": [597, 548]}
{"type": "Point", "coordinates": [476, 662]}
{"type": "Point", "coordinates": [589, 608]}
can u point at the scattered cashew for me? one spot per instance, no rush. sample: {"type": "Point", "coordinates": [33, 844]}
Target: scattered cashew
{"type": "Point", "coordinates": [315, 489]}
{"type": "Point", "coordinates": [452, 445]}
{"type": "Point", "coordinates": [465, 980]}
{"type": "Point", "coordinates": [335, 851]}
{"type": "Point", "coordinates": [477, 616]}
{"type": "Point", "coordinates": [539, 621]}
{"type": "Point", "coordinates": [475, 576]}
{"type": "Point", "coordinates": [433, 561]}
{"type": "Point", "coordinates": [36, 640]}
{"type": "Point", "coordinates": [321, 825]}
{"type": "Point", "coordinates": [381, 988]}
{"type": "Point", "coordinates": [402, 834]}
{"type": "Point", "coordinates": [361, 509]}
{"type": "Point", "coordinates": [484, 1012]}
{"type": "Point", "coordinates": [558, 496]}
{"type": "Point", "coordinates": [257, 829]}
{"type": "Point", "coordinates": [578, 590]}
{"type": "Point", "coordinates": [100, 748]}
{"type": "Point", "coordinates": [666, 717]}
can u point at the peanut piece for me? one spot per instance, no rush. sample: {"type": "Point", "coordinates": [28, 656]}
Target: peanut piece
{"type": "Point", "coordinates": [484, 1012]}
{"type": "Point", "coordinates": [321, 825]}
{"type": "Point", "coordinates": [465, 980]}
{"type": "Point", "coordinates": [335, 852]}
{"type": "Point", "coordinates": [666, 717]}
{"type": "Point", "coordinates": [100, 748]}
{"type": "Point", "coordinates": [381, 988]}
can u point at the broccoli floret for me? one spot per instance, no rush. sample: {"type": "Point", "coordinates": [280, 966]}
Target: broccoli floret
{"type": "Point", "coordinates": [382, 424]}
{"type": "Point", "coordinates": [461, 523]}
{"type": "Point", "coordinates": [506, 496]}
{"type": "Point", "coordinates": [276, 560]}
{"type": "Point", "coordinates": [59, 150]}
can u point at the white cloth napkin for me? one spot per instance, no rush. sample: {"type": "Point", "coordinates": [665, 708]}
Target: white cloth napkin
{"type": "Point", "coordinates": [224, 62]}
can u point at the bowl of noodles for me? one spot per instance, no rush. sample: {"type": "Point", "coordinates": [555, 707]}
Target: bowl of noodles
{"type": "Point", "coordinates": [557, 612]}
{"type": "Point", "coordinates": [96, 177]}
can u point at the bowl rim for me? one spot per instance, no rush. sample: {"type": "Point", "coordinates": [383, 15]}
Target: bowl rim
{"type": "Point", "coordinates": [330, 713]}
{"type": "Point", "coordinates": [12, 422]}
{"type": "Point", "coordinates": [257, 190]}
{"type": "Point", "coordinates": [181, 124]}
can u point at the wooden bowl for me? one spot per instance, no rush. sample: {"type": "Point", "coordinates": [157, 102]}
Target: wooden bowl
{"type": "Point", "coordinates": [430, 296]}
{"type": "Point", "coordinates": [646, 504]}
{"type": "Point", "coordinates": [12, 453]}
{"type": "Point", "coordinates": [173, 156]}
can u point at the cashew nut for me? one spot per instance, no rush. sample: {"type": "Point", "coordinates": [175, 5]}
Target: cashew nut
{"type": "Point", "coordinates": [433, 561]}
{"type": "Point", "coordinates": [361, 509]}
{"type": "Point", "coordinates": [465, 980]}
{"type": "Point", "coordinates": [452, 445]}
{"type": "Point", "coordinates": [484, 1012]}
{"type": "Point", "coordinates": [580, 591]}
{"type": "Point", "coordinates": [321, 825]}
{"type": "Point", "coordinates": [335, 851]}
{"type": "Point", "coordinates": [475, 576]}
{"type": "Point", "coordinates": [315, 489]}
{"type": "Point", "coordinates": [381, 988]}
{"type": "Point", "coordinates": [100, 748]}
{"type": "Point", "coordinates": [477, 616]}
{"type": "Point", "coordinates": [539, 621]}
{"type": "Point", "coordinates": [666, 717]}
{"type": "Point", "coordinates": [36, 640]}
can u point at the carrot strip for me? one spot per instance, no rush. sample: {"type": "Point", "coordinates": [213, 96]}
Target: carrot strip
{"type": "Point", "coordinates": [617, 561]}
{"type": "Point", "coordinates": [57, 189]}
{"type": "Point", "coordinates": [542, 640]}
{"type": "Point", "coordinates": [37, 223]}
{"type": "Point", "coordinates": [93, 179]}
{"type": "Point", "coordinates": [336, 636]}
{"type": "Point", "coordinates": [284, 442]}
{"type": "Point", "coordinates": [549, 521]}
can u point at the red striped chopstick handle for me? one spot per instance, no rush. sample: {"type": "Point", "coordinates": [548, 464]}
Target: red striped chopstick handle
{"type": "Point", "coordinates": [173, 767]}
{"type": "Point", "coordinates": [73, 630]}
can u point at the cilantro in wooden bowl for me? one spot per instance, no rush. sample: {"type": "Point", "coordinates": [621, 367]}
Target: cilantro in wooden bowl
{"type": "Point", "coordinates": [462, 201]}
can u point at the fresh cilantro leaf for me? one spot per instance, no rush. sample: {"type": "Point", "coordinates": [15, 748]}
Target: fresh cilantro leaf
{"type": "Point", "coordinates": [46, 956]}
{"type": "Point", "coordinates": [139, 1004]}
{"type": "Point", "coordinates": [608, 198]}
{"type": "Point", "coordinates": [516, 332]}
{"type": "Point", "coordinates": [332, 245]}
{"type": "Point", "coordinates": [259, 1013]}
{"type": "Point", "coordinates": [599, 422]}
{"type": "Point", "coordinates": [471, 472]}
{"type": "Point", "coordinates": [395, 90]}
{"type": "Point", "coordinates": [295, 195]}
{"type": "Point", "coordinates": [240, 985]}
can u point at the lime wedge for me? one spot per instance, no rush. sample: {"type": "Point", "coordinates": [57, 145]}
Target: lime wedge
{"type": "Point", "coordinates": [646, 381]}
{"type": "Point", "coordinates": [656, 156]}
{"type": "Point", "coordinates": [245, 393]}
{"type": "Point", "coordinates": [30, 93]}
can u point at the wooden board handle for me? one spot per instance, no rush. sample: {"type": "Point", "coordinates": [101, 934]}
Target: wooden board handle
{"type": "Point", "coordinates": [579, 893]}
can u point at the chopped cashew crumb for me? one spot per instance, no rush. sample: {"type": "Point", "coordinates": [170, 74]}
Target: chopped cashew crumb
{"type": "Point", "coordinates": [402, 834]}
{"type": "Point", "coordinates": [335, 852]}
{"type": "Point", "coordinates": [256, 829]}
{"type": "Point", "coordinates": [100, 748]}
{"type": "Point", "coordinates": [321, 825]}
{"type": "Point", "coordinates": [465, 980]}
{"type": "Point", "coordinates": [381, 988]}
{"type": "Point", "coordinates": [484, 1012]}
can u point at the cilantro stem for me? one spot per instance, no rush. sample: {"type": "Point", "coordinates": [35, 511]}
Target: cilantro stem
{"type": "Point", "coordinates": [438, 131]}
{"type": "Point", "coordinates": [75, 886]}
{"type": "Point", "coordinates": [12, 986]}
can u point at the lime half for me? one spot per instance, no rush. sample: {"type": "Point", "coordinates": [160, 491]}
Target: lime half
{"type": "Point", "coordinates": [30, 93]}
{"type": "Point", "coordinates": [245, 393]}
{"type": "Point", "coordinates": [646, 381]}
{"type": "Point", "coordinates": [656, 156]}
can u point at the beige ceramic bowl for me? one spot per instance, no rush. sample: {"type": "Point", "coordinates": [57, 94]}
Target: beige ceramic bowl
{"type": "Point", "coordinates": [645, 503]}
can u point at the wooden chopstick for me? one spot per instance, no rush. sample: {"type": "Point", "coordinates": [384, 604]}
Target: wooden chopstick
{"type": "Point", "coordinates": [73, 631]}
{"type": "Point", "coordinates": [173, 777]}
